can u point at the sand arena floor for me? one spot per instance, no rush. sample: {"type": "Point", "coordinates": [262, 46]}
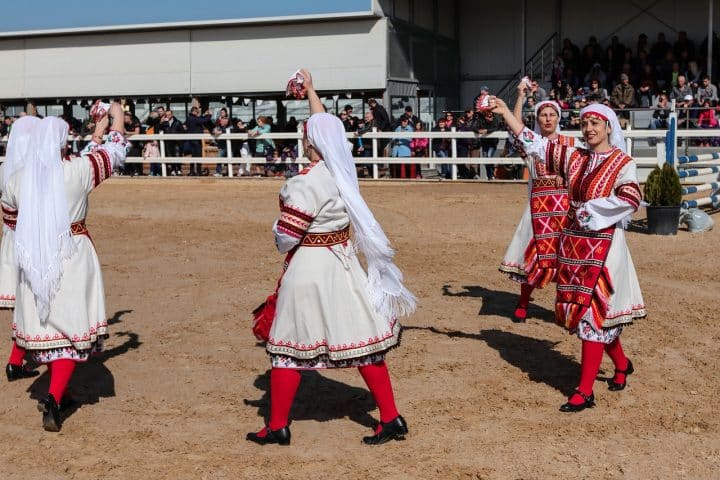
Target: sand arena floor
{"type": "Point", "coordinates": [183, 379]}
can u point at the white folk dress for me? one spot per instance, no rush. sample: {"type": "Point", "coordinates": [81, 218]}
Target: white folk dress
{"type": "Point", "coordinates": [625, 302]}
{"type": "Point", "coordinates": [8, 269]}
{"type": "Point", "coordinates": [77, 324]}
{"type": "Point", "coordinates": [514, 261]}
{"type": "Point", "coordinates": [324, 317]}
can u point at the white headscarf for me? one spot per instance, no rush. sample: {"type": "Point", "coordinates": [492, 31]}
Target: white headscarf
{"type": "Point", "coordinates": [542, 105]}
{"type": "Point", "coordinates": [388, 294]}
{"type": "Point", "coordinates": [42, 237]}
{"type": "Point", "coordinates": [18, 147]}
{"type": "Point", "coordinates": [606, 113]}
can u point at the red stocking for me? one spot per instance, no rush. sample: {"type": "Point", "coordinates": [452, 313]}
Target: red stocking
{"type": "Point", "coordinates": [522, 305]}
{"type": "Point", "coordinates": [60, 375]}
{"type": "Point", "coordinates": [615, 351]}
{"type": "Point", "coordinates": [16, 355]}
{"type": "Point", "coordinates": [592, 353]}
{"type": "Point", "coordinates": [284, 383]}
{"type": "Point", "coordinates": [377, 378]}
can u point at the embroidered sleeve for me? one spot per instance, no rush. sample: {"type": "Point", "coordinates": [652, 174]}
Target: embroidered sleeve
{"type": "Point", "coordinates": [297, 211]}
{"type": "Point", "coordinates": [116, 148]}
{"type": "Point", "coordinates": [91, 147]}
{"type": "Point", "coordinates": [103, 158]}
{"type": "Point", "coordinates": [100, 165]}
{"type": "Point", "coordinates": [618, 207]}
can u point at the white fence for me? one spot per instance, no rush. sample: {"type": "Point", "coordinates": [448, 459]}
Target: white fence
{"type": "Point", "coordinates": [638, 141]}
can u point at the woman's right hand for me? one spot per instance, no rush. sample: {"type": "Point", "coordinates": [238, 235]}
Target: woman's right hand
{"type": "Point", "coordinates": [307, 82]}
{"type": "Point", "coordinates": [522, 87]}
{"type": "Point", "coordinates": [497, 105]}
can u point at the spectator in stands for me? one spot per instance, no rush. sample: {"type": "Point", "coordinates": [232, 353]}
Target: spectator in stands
{"type": "Point", "coordinates": [562, 93]}
{"type": "Point", "coordinates": [683, 44]}
{"type": "Point", "coordinates": [441, 147]}
{"type": "Point", "coordinates": [132, 127]}
{"type": "Point", "coordinates": [597, 91]}
{"type": "Point", "coordinates": [450, 120]}
{"type": "Point", "coordinates": [222, 125]}
{"type": "Point", "coordinates": [645, 94]}
{"type": "Point", "coordinates": [689, 118]}
{"type": "Point", "coordinates": [693, 74]}
{"type": "Point", "coordinates": [659, 49]}
{"type": "Point", "coordinates": [382, 119]}
{"type": "Point", "coordinates": [265, 146]}
{"type": "Point", "coordinates": [591, 54]}
{"type": "Point", "coordinates": [419, 148]}
{"type": "Point", "coordinates": [170, 124]}
{"type": "Point", "coordinates": [150, 153]}
{"type": "Point", "coordinates": [195, 124]}
{"type": "Point", "coordinates": [623, 96]}
{"type": "Point", "coordinates": [706, 91]}
{"type": "Point", "coordinates": [660, 116]}
{"type": "Point", "coordinates": [706, 119]}
{"type": "Point", "coordinates": [412, 118]}
{"type": "Point", "coordinates": [489, 123]}
{"type": "Point", "coordinates": [680, 91]}
{"type": "Point", "coordinates": [596, 74]}
{"type": "Point", "coordinates": [537, 92]}
{"type": "Point", "coordinates": [466, 123]}
{"type": "Point", "coordinates": [401, 148]}
{"type": "Point", "coordinates": [617, 57]}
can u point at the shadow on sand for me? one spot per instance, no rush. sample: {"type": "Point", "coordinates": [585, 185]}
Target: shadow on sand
{"type": "Point", "coordinates": [498, 302]}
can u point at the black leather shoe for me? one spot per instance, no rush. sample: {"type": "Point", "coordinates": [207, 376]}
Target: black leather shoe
{"type": "Point", "coordinates": [613, 386]}
{"type": "Point", "coordinates": [395, 429]}
{"type": "Point", "coordinates": [16, 372]}
{"type": "Point", "coordinates": [589, 402]}
{"type": "Point", "coordinates": [280, 436]}
{"type": "Point", "coordinates": [51, 413]}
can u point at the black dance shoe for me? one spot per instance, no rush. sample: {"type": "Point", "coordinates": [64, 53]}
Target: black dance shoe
{"type": "Point", "coordinates": [16, 372]}
{"type": "Point", "coordinates": [280, 436]}
{"type": "Point", "coordinates": [395, 429]}
{"type": "Point", "coordinates": [589, 402]}
{"type": "Point", "coordinates": [613, 386]}
{"type": "Point", "coordinates": [51, 413]}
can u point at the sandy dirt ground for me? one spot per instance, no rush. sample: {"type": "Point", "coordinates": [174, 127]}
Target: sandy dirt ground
{"type": "Point", "coordinates": [183, 379]}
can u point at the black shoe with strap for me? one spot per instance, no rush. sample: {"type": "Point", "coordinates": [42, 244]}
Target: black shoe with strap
{"type": "Point", "coordinates": [48, 406]}
{"type": "Point", "coordinates": [17, 372]}
{"type": "Point", "coordinates": [280, 436]}
{"type": "Point", "coordinates": [588, 402]}
{"type": "Point", "coordinates": [395, 429]}
{"type": "Point", "coordinates": [614, 386]}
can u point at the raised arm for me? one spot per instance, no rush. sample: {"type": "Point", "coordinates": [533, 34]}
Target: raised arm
{"type": "Point", "coordinates": [521, 96]}
{"type": "Point", "coordinates": [316, 105]}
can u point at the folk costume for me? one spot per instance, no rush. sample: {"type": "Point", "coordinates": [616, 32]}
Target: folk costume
{"type": "Point", "coordinates": [18, 149]}
{"type": "Point", "coordinates": [531, 257]}
{"type": "Point", "coordinates": [60, 305]}
{"type": "Point", "coordinates": [329, 312]}
{"type": "Point", "coordinates": [598, 290]}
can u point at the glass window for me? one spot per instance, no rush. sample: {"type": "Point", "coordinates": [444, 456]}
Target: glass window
{"type": "Point", "coordinates": [179, 110]}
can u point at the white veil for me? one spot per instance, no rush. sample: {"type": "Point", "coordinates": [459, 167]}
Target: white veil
{"type": "Point", "coordinates": [540, 106]}
{"type": "Point", "coordinates": [388, 294]}
{"type": "Point", "coordinates": [42, 237]}
{"type": "Point", "coordinates": [616, 136]}
{"type": "Point", "coordinates": [18, 147]}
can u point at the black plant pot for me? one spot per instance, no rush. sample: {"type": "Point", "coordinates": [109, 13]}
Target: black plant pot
{"type": "Point", "coordinates": [663, 220]}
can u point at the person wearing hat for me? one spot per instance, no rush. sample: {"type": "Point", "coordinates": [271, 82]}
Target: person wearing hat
{"type": "Point", "coordinates": [597, 287]}
{"type": "Point", "coordinates": [530, 258]}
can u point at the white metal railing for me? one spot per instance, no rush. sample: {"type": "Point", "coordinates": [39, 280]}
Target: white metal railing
{"type": "Point", "coordinates": [652, 155]}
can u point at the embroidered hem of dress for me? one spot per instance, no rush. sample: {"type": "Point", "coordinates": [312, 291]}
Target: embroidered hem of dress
{"type": "Point", "coordinates": [84, 344]}
{"type": "Point", "coordinates": [512, 268]}
{"type": "Point", "coordinates": [324, 362]}
{"type": "Point", "coordinates": [614, 319]}
{"type": "Point", "coordinates": [7, 302]}
{"type": "Point", "coordinates": [349, 353]}
{"type": "Point", "coordinates": [68, 353]}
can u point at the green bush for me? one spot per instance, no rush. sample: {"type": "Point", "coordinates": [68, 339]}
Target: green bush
{"type": "Point", "coordinates": [662, 187]}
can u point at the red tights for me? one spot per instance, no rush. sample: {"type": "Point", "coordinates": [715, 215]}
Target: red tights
{"type": "Point", "coordinates": [284, 383]}
{"type": "Point", "coordinates": [16, 355]}
{"type": "Point", "coordinates": [592, 354]}
{"type": "Point", "coordinates": [60, 373]}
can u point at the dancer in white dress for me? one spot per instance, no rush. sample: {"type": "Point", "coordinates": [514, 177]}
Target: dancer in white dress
{"type": "Point", "coordinates": [531, 257]}
{"type": "Point", "coordinates": [60, 305]}
{"type": "Point", "coordinates": [330, 313]}
{"type": "Point", "coordinates": [17, 151]}
{"type": "Point", "coordinates": [598, 290]}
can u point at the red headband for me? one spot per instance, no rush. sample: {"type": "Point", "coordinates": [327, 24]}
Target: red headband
{"type": "Point", "coordinates": [595, 114]}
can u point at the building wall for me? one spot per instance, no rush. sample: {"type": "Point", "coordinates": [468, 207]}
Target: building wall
{"type": "Point", "coordinates": [344, 55]}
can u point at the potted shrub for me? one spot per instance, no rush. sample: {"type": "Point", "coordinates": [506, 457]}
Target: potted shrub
{"type": "Point", "coordinates": [663, 193]}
